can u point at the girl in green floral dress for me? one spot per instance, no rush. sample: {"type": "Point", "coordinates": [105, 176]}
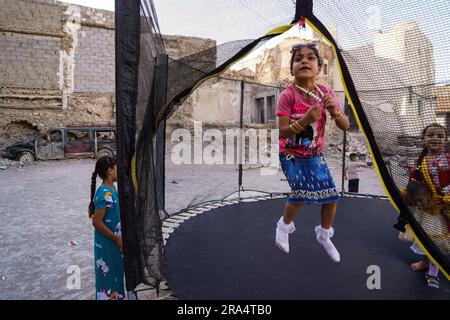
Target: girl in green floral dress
{"type": "Point", "coordinates": [105, 214]}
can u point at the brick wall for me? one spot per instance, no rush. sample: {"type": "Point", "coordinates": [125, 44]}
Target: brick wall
{"type": "Point", "coordinates": [29, 61]}
{"type": "Point", "coordinates": [31, 16]}
{"type": "Point", "coordinates": [56, 65]}
{"type": "Point", "coordinates": [94, 60]}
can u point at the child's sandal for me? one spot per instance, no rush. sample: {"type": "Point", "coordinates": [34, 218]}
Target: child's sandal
{"type": "Point", "coordinates": [432, 281]}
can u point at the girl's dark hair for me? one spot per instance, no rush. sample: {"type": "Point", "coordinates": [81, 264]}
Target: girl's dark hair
{"type": "Point", "coordinates": [424, 152]}
{"type": "Point", "coordinates": [101, 169]}
{"type": "Point", "coordinates": [313, 48]}
{"type": "Point", "coordinates": [415, 187]}
{"type": "Point", "coordinates": [434, 125]}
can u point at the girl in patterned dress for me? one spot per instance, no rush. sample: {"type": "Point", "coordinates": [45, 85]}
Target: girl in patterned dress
{"type": "Point", "coordinates": [105, 214]}
{"type": "Point", "coordinates": [302, 110]}
{"type": "Point", "coordinates": [433, 173]}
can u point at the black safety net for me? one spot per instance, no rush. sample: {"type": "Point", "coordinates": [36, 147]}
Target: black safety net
{"type": "Point", "coordinates": [141, 72]}
{"type": "Point", "coordinates": [197, 85]}
{"type": "Point", "coordinates": [396, 70]}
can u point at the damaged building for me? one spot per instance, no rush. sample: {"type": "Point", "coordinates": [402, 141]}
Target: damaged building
{"type": "Point", "coordinates": [56, 67]}
{"type": "Point", "coordinates": [216, 103]}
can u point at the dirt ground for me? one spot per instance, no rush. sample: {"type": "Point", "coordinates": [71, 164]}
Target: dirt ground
{"type": "Point", "coordinates": [43, 207]}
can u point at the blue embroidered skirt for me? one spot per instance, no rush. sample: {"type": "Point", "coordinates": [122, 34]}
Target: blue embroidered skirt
{"type": "Point", "coordinates": [309, 178]}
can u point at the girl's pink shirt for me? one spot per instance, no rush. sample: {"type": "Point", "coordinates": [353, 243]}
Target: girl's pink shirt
{"type": "Point", "coordinates": [294, 105]}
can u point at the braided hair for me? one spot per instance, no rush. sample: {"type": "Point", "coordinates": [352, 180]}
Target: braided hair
{"type": "Point", "coordinates": [101, 169]}
{"type": "Point", "coordinates": [416, 174]}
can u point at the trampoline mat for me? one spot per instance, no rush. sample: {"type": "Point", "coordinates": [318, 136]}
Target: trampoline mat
{"type": "Point", "coordinates": [229, 253]}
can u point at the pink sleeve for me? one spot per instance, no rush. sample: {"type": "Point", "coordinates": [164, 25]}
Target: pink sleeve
{"type": "Point", "coordinates": [284, 104]}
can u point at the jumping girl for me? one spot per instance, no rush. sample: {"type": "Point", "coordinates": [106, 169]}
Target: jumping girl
{"type": "Point", "coordinates": [302, 110]}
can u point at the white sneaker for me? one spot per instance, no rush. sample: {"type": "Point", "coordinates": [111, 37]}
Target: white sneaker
{"type": "Point", "coordinates": [282, 235]}
{"type": "Point", "coordinates": [323, 237]}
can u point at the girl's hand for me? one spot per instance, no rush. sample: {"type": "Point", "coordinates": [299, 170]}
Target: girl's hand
{"type": "Point", "coordinates": [313, 114]}
{"type": "Point", "coordinates": [330, 104]}
{"type": "Point", "coordinates": [118, 243]}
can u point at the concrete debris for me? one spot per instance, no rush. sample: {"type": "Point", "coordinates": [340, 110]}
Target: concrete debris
{"type": "Point", "coordinates": [7, 163]}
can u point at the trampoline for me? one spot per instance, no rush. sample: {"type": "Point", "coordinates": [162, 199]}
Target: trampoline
{"type": "Point", "coordinates": [229, 253]}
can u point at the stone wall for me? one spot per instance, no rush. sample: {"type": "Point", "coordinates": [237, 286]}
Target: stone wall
{"type": "Point", "coordinates": [32, 17]}
{"type": "Point", "coordinates": [216, 103]}
{"type": "Point", "coordinates": [94, 56]}
{"type": "Point", "coordinates": [178, 47]}
{"type": "Point", "coordinates": [29, 60]}
{"type": "Point", "coordinates": [56, 67]}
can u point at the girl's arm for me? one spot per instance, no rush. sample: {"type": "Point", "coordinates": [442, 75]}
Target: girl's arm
{"type": "Point", "coordinates": [342, 122]}
{"type": "Point", "coordinates": [97, 222]}
{"type": "Point", "coordinates": [287, 129]}
{"type": "Point", "coordinates": [363, 165]}
{"type": "Point", "coordinates": [336, 113]}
